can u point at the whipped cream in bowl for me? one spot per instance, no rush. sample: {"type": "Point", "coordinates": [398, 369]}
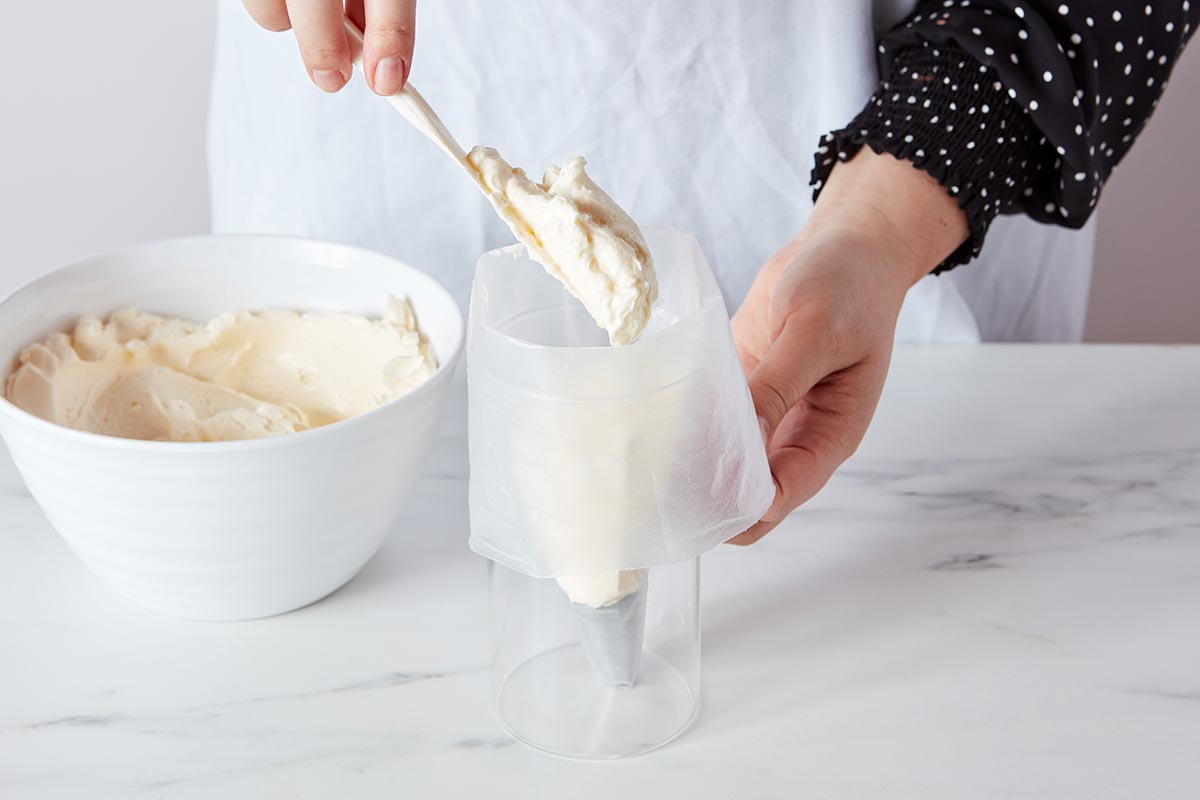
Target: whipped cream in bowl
{"type": "Point", "coordinates": [242, 375]}
{"type": "Point", "coordinates": [226, 427]}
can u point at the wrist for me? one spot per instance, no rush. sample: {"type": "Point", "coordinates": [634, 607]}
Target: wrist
{"type": "Point", "coordinates": [893, 207]}
{"type": "Point", "coordinates": [858, 256]}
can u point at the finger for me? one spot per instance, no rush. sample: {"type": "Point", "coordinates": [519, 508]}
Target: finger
{"type": "Point", "coordinates": [795, 362]}
{"type": "Point", "coordinates": [744, 339]}
{"type": "Point", "coordinates": [816, 437]}
{"type": "Point", "coordinates": [819, 434]}
{"type": "Point", "coordinates": [388, 43]}
{"type": "Point", "coordinates": [752, 534]}
{"type": "Point", "coordinates": [322, 40]}
{"type": "Point", "coordinates": [799, 468]}
{"type": "Point", "coordinates": [270, 14]}
{"type": "Point", "coordinates": [748, 360]}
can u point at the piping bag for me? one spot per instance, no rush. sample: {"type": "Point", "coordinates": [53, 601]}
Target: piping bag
{"type": "Point", "coordinates": [580, 236]}
{"type": "Point", "coordinates": [586, 241]}
{"type": "Point", "coordinates": [610, 621]}
{"type": "Point", "coordinates": [664, 459]}
{"type": "Point", "coordinates": [593, 464]}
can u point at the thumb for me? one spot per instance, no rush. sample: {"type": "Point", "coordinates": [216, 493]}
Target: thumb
{"type": "Point", "coordinates": [793, 365]}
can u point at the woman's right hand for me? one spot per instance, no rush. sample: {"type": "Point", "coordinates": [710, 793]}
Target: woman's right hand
{"type": "Point", "coordinates": [388, 26]}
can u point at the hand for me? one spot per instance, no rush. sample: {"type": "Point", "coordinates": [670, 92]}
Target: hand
{"type": "Point", "coordinates": [815, 332]}
{"type": "Point", "coordinates": [388, 27]}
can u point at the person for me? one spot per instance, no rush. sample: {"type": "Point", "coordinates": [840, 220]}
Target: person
{"type": "Point", "coordinates": [925, 128]}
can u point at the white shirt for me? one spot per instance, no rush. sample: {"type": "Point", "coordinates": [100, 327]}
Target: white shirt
{"type": "Point", "coordinates": [700, 116]}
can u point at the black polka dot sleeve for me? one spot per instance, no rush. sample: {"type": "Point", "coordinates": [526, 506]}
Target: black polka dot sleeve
{"type": "Point", "coordinates": [1017, 106]}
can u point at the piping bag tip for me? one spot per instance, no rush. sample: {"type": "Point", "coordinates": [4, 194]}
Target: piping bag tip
{"type": "Point", "coordinates": [612, 636]}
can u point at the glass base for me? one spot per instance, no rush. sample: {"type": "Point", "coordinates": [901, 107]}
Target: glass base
{"type": "Point", "coordinates": [599, 721]}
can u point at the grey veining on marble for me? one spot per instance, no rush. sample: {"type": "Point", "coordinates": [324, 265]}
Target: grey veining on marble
{"type": "Point", "coordinates": [997, 597]}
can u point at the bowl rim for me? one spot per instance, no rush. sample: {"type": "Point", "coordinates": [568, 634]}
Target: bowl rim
{"type": "Point", "coordinates": [446, 364]}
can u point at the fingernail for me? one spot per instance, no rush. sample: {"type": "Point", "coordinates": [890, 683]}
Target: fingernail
{"type": "Point", "coordinates": [329, 80]}
{"type": "Point", "coordinates": [766, 431]}
{"type": "Point", "coordinates": [389, 75]}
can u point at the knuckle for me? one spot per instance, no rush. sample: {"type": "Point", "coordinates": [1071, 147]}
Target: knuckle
{"type": "Point", "coordinates": [848, 449]}
{"type": "Point", "coordinates": [823, 325]}
{"type": "Point", "coordinates": [391, 31]}
{"type": "Point", "coordinates": [829, 328]}
{"type": "Point", "coordinates": [274, 23]}
{"type": "Point", "coordinates": [323, 55]}
{"type": "Point", "coordinates": [271, 16]}
{"type": "Point", "coordinates": [817, 316]}
{"type": "Point", "coordinates": [771, 400]}
{"type": "Point", "coordinates": [853, 442]}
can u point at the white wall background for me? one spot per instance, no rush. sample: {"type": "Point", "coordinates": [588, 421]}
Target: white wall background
{"type": "Point", "coordinates": [1146, 286]}
{"type": "Point", "coordinates": [103, 144]}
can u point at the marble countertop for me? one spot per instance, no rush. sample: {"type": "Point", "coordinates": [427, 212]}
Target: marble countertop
{"type": "Point", "coordinates": [998, 596]}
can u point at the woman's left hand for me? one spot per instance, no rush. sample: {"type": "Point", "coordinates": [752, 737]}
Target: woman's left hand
{"type": "Point", "coordinates": [815, 332]}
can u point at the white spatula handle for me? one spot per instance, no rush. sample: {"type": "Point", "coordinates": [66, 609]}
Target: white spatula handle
{"type": "Point", "coordinates": [413, 108]}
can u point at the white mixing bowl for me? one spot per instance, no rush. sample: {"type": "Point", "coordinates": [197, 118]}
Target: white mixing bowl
{"type": "Point", "coordinates": [228, 530]}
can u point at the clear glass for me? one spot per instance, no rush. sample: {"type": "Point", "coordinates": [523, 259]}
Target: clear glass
{"type": "Point", "coordinates": [556, 695]}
